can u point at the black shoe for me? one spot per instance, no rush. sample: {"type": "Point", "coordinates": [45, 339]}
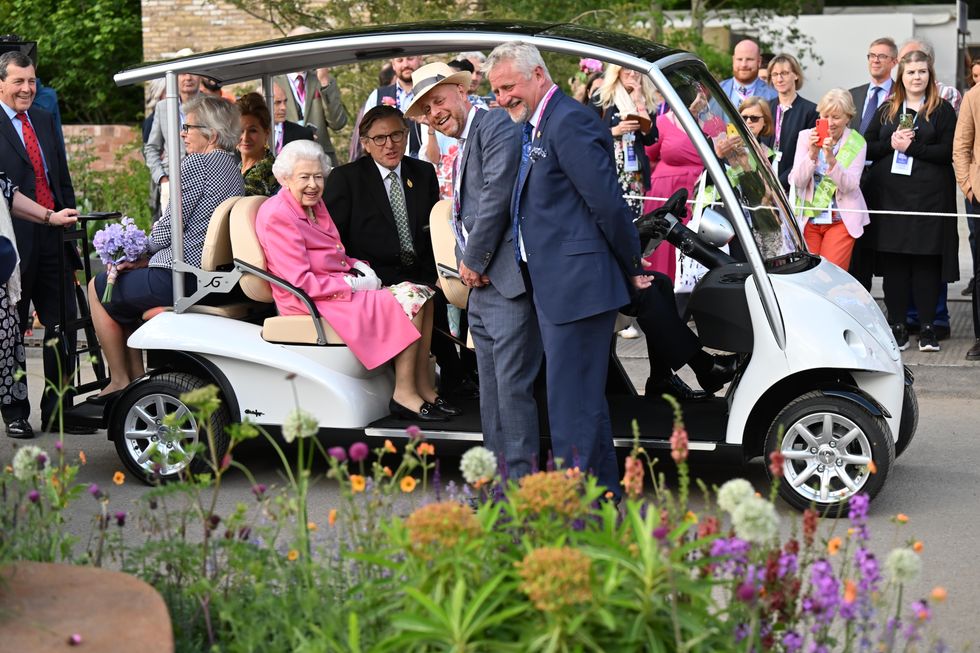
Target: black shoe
{"type": "Point", "coordinates": [101, 400]}
{"type": "Point", "coordinates": [673, 385]}
{"type": "Point", "coordinates": [928, 340]}
{"type": "Point", "coordinates": [969, 287]}
{"type": "Point", "coordinates": [974, 353]}
{"type": "Point", "coordinates": [427, 413]}
{"type": "Point", "coordinates": [722, 371]}
{"type": "Point", "coordinates": [901, 333]}
{"type": "Point", "coordinates": [942, 331]}
{"type": "Point", "coordinates": [446, 407]}
{"type": "Point", "coordinates": [20, 429]}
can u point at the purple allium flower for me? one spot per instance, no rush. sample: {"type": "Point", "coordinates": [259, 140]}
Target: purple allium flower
{"type": "Point", "coordinates": [259, 490]}
{"type": "Point", "coordinates": [57, 445]}
{"type": "Point", "coordinates": [34, 496]}
{"type": "Point", "coordinates": [413, 432]}
{"type": "Point", "coordinates": [42, 459]}
{"type": "Point", "coordinates": [120, 519]}
{"type": "Point", "coordinates": [94, 490]}
{"type": "Point", "coordinates": [746, 592]}
{"type": "Point", "coordinates": [358, 452]}
{"type": "Point", "coordinates": [660, 532]}
{"type": "Point", "coordinates": [337, 453]}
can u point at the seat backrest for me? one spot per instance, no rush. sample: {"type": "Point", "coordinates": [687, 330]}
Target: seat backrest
{"type": "Point", "coordinates": [217, 242]}
{"type": "Point", "coordinates": [245, 247]}
{"type": "Point", "coordinates": [444, 251]}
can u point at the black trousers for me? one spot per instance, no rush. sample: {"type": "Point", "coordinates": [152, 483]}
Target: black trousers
{"type": "Point", "coordinates": [670, 343]}
{"type": "Point", "coordinates": [910, 275]}
{"type": "Point", "coordinates": [41, 275]}
{"type": "Point", "coordinates": [456, 364]}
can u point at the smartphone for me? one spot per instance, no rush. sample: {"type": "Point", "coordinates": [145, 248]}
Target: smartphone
{"type": "Point", "coordinates": [731, 129]}
{"type": "Point", "coordinates": [905, 121]}
{"type": "Point", "coordinates": [823, 129]}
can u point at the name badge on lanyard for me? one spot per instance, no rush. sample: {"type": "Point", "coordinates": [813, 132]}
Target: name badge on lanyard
{"type": "Point", "coordinates": [901, 162]}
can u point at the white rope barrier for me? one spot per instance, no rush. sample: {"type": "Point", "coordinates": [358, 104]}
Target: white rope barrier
{"type": "Point", "coordinates": [801, 207]}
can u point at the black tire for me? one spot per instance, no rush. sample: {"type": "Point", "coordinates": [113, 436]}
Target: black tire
{"type": "Point", "coordinates": [815, 462]}
{"type": "Point", "coordinates": [140, 412]}
{"type": "Point", "coordinates": [910, 420]}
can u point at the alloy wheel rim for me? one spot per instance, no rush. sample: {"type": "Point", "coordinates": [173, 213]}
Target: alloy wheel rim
{"type": "Point", "coordinates": [826, 458]}
{"type": "Point", "coordinates": [146, 434]}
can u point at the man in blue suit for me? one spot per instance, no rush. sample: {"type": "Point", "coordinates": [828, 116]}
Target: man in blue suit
{"type": "Point", "coordinates": [745, 82]}
{"type": "Point", "coordinates": [573, 234]}
{"type": "Point", "coordinates": [501, 318]}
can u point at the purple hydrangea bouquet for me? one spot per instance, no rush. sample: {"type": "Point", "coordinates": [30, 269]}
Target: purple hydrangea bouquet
{"type": "Point", "coordinates": [115, 243]}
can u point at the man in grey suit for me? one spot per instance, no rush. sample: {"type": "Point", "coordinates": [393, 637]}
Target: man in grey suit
{"type": "Point", "coordinates": [882, 57]}
{"type": "Point", "coordinates": [502, 320]}
{"type": "Point", "coordinates": [155, 148]}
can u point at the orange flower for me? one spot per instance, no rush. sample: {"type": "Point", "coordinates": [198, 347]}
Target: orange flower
{"type": "Point", "coordinates": [426, 449]}
{"type": "Point", "coordinates": [938, 594]}
{"type": "Point", "coordinates": [82, 458]}
{"type": "Point", "coordinates": [292, 555]}
{"type": "Point", "coordinates": [407, 484]}
{"type": "Point", "coordinates": [387, 471]}
{"type": "Point", "coordinates": [917, 546]}
{"type": "Point", "coordinates": [311, 526]}
{"type": "Point", "coordinates": [389, 447]}
{"type": "Point", "coordinates": [608, 495]}
{"type": "Point", "coordinates": [691, 518]}
{"type": "Point", "coordinates": [357, 483]}
{"type": "Point", "coordinates": [833, 546]}
{"type": "Point", "coordinates": [332, 516]}
{"type": "Point", "coordinates": [872, 467]}
{"type": "Point", "coordinates": [902, 518]}
{"type": "Point", "coordinates": [118, 478]}
{"type": "Point", "coordinates": [850, 591]}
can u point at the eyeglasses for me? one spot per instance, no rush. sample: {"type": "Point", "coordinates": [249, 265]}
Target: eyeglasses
{"type": "Point", "coordinates": [396, 138]}
{"type": "Point", "coordinates": [782, 74]}
{"type": "Point", "coordinates": [879, 57]}
{"type": "Point", "coordinates": [186, 127]}
{"type": "Point", "coordinates": [751, 118]}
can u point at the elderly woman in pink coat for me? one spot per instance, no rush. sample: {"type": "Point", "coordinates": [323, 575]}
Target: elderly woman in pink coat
{"type": "Point", "coordinates": [827, 177]}
{"type": "Point", "coordinates": [302, 246]}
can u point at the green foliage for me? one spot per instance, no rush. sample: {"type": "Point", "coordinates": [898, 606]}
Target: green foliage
{"type": "Point", "coordinates": [80, 44]}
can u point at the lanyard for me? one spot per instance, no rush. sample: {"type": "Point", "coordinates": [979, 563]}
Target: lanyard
{"type": "Point", "coordinates": [779, 123]}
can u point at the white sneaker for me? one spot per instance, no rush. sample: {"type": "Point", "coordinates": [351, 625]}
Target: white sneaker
{"type": "Point", "coordinates": [629, 333]}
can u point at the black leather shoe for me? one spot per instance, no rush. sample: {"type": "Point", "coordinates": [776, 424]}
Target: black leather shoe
{"type": "Point", "coordinates": [446, 407]}
{"type": "Point", "coordinates": [974, 353]}
{"type": "Point", "coordinates": [20, 429]}
{"type": "Point", "coordinates": [721, 372]}
{"type": "Point", "coordinates": [673, 385]}
{"type": "Point", "coordinates": [427, 413]}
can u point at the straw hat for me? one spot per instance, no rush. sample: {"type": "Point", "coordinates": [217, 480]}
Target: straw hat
{"type": "Point", "coordinates": [427, 78]}
{"type": "Point", "coordinates": [444, 252]}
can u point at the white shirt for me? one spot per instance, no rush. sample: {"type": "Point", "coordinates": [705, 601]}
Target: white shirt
{"type": "Point", "coordinates": [300, 104]}
{"type": "Point", "coordinates": [535, 119]}
{"type": "Point", "coordinates": [384, 172]}
{"type": "Point", "coordinates": [19, 127]}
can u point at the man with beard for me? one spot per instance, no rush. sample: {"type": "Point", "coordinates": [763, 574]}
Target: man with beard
{"type": "Point", "coordinates": [501, 318]}
{"type": "Point", "coordinates": [745, 82]}
{"type": "Point", "coordinates": [398, 95]}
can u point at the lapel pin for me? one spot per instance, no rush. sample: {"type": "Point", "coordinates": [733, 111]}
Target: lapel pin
{"type": "Point", "coordinates": [408, 182]}
{"type": "Point", "coordinates": [538, 135]}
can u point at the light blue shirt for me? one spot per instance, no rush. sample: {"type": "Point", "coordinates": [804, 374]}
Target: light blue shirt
{"type": "Point", "coordinates": [886, 88]}
{"type": "Point", "coordinates": [19, 127]}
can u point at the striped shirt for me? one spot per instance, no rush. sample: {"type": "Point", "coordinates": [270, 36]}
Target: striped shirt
{"type": "Point", "coordinates": [207, 180]}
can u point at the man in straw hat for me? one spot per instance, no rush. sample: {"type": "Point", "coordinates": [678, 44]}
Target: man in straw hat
{"type": "Point", "coordinates": [502, 320]}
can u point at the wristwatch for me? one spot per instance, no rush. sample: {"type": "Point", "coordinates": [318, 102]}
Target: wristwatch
{"type": "Point", "coordinates": [47, 216]}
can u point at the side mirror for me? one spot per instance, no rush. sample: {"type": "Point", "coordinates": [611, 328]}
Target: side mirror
{"type": "Point", "coordinates": [714, 229]}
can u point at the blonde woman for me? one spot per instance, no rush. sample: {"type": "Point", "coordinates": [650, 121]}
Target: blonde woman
{"type": "Point", "coordinates": [624, 101]}
{"type": "Point", "coordinates": [827, 176]}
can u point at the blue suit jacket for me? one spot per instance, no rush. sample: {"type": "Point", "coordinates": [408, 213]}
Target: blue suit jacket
{"type": "Point", "coordinates": [578, 233]}
{"type": "Point", "coordinates": [758, 87]}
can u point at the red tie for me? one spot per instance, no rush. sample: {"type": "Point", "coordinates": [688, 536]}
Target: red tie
{"type": "Point", "coordinates": [301, 88]}
{"type": "Point", "coordinates": [42, 190]}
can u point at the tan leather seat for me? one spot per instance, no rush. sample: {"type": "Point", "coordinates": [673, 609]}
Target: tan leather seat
{"type": "Point", "coordinates": [444, 251]}
{"type": "Point", "coordinates": [298, 329]}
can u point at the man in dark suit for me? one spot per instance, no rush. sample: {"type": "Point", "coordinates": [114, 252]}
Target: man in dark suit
{"type": "Point", "coordinates": [882, 57]}
{"type": "Point", "coordinates": [31, 155]}
{"type": "Point", "coordinates": [501, 318]}
{"type": "Point", "coordinates": [286, 131]}
{"type": "Point", "coordinates": [573, 233]}
{"type": "Point", "coordinates": [360, 200]}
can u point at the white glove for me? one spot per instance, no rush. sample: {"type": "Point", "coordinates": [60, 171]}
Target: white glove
{"type": "Point", "coordinates": [363, 283]}
{"type": "Point", "coordinates": [368, 271]}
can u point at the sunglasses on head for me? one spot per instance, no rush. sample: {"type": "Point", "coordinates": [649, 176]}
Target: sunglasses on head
{"type": "Point", "coordinates": [751, 118]}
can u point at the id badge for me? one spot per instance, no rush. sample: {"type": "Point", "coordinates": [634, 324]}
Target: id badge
{"type": "Point", "coordinates": [901, 164]}
{"type": "Point", "coordinates": [777, 158]}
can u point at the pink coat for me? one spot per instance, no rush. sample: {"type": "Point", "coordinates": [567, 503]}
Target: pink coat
{"type": "Point", "coordinates": [848, 182]}
{"type": "Point", "coordinates": [312, 258]}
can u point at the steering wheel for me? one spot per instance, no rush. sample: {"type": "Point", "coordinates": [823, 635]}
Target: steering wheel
{"type": "Point", "coordinates": [655, 225]}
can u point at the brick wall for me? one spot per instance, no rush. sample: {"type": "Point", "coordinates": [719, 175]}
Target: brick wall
{"type": "Point", "coordinates": [103, 142]}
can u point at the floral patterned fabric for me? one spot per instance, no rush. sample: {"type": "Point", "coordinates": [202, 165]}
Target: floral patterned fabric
{"type": "Point", "coordinates": [11, 351]}
{"type": "Point", "coordinates": [631, 182]}
{"type": "Point", "coordinates": [411, 296]}
{"type": "Point", "coordinates": [7, 188]}
{"type": "Point", "coordinates": [259, 179]}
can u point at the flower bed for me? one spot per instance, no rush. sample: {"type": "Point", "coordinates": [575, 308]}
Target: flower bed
{"type": "Point", "coordinates": [405, 562]}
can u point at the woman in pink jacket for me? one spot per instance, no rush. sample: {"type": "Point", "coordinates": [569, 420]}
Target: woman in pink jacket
{"type": "Point", "coordinates": [827, 177]}
{"type": "Point", "coordinates": [302, 246]}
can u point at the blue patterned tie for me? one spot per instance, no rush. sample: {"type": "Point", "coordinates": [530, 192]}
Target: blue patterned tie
{"type": "Point", "coordinates": [869, 111]}
{"type": "Point", "coordinates": [516, 205]}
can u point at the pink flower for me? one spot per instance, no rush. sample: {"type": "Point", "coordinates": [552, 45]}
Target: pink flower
{"type": "Point", "coordinates": [678, 444]}
{"type": "Point", "coordinates": [388, 101]}
{"type": "Point", "coordinates": [358, 451]}
{"type": "Point", "coordinates": [589, 65]}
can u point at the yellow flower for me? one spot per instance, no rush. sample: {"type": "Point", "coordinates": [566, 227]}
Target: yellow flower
{"type": "Point", "coordinates": [407, 484]}
{"type": "Point", "coordinates": [691, 518]}
{"type": "Point", "coordinates": [902, 518]}
{"type": "Point", "coordinates": [938, 594]}
{"type": "Point", "coordinates": [833, 546]}
{"type": "Point", "coordinates": [311, 526]}
{"type": "Point", "coordinates": [426, 449]}
{"type": "Point", "coordinates": [332, 516]}
{"type": "Point", "coordinates": [555, 578]}
{"type": "Point", "coordinates": [357, 483]}
{"type": "Point", "coordinates": [917, 546]}
{"type": "Point", "coordinates": [389, 447]}
{"type": "Point", "coordinates": [549, 493]}
{"type": "Point", "coordinates": [82, 458]}
{"type": "Point", "coordinates": [292, 555]}
{"type": "Point", "coordinates": [118, 478]}
{"type": "Point", "coordinates": [437, 527]}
